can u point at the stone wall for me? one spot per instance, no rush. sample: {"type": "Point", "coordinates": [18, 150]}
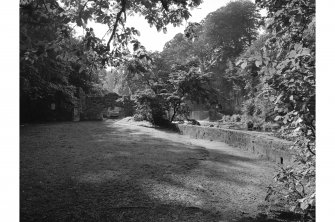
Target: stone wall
{"type": "Point", "coordinates": [94, 107]}
{"type": "Point", "coordinates": [265, 146]}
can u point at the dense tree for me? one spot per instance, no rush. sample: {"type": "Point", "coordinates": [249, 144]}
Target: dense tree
{"type": "Point", "coordinates": [251, 83]}
{"type": "Point", "coordinates": [218, 40]}
{"type": "Point", "coordinates": [189, 84]}
{"type": "Point", "coordinates": [230, 29]}
{"type": "Point", "coordinates": [221, 58]}
{"type": "Point", "coordinates": [54, 64]}
{"type": "Point", "coordinates": [177, 51]}
{"type": "Point", "coordinates": [286, 66]}
{"type": "Point", "coordinates": [212, 54]}
{"type": "Point", "coordinates": [275, 73]}
{"type": "Point", "coordinates": [162, 99]}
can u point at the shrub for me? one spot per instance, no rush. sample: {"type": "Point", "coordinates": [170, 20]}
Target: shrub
{"type": "Point", "coordinates": [248, 107]}
{"type": "Point", "coordinates": [236, 118]}
{"type": "Point", "coordinates": [267, 127]}
{"type": "Point", "coordinates": [226, 118]}
{"type": "Point", "coordinates": [151, 107]}
{"type": "Point", "coordinates": [250, 125]}
{"type": "Point", "coordinates": [139, 117]}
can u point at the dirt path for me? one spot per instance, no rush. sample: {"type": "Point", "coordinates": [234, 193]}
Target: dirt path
{"type": "Point", "coordinates": [107, 171]}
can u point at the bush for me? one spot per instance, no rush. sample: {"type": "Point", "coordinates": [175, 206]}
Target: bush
{"type": "Point", "coordinates": [139, 117]}
{"type": "Point", "coordinates": [248, 107]}
{"type": "Point", "coordinates": [225, 118]}
{"type": "Point", "coordinates": [151, 107]}
{"type": "Point", "coordinates": [236, 118]}
{"type": "Point", "coordinates": [250, 125]}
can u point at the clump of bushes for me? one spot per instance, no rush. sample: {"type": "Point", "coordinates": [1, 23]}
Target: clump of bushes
{"type": "Point", "coordinates": [233, 118]}
{"type": "Point", "coordinates": [236, 118]}
{"type": "Point", "coordinates": [257, 114]}
{"type": "Point", "coordinates": [250, 125]}
{"type": "Point", "coordinates": [148, 107]}
{"type": "Point", "coordinates": [139, 117]}
{"type": "Point", "coordinates": [151, 107]}
{"type": "Point", "coordinates": [249, 107]}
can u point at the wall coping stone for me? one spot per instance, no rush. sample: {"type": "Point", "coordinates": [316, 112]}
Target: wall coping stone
{"type": "Point", "coordinates": [265, 146]}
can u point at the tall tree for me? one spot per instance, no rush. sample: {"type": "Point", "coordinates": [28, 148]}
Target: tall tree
{"type": "Point", "coordinates": [52, 60]}
{"type": "Point", "coordinates": [232, 28]}
{"type": "Point", "coordinates": [218, 40]}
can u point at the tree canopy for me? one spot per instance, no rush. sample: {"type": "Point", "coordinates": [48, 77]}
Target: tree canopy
{"type": "Point", "coordinates": [53, 61]}
{"type": "Point", "coordinates": [222, 62]}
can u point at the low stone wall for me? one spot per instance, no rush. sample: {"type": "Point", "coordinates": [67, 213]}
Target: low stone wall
{"type": "Point", "coordinates": [94, 107]}
{"type": "Point", "coordinates": [268, 147]}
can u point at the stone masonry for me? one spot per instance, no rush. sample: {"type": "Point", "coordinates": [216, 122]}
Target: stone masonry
{"type": "Point", "coordinates": [268, 147]}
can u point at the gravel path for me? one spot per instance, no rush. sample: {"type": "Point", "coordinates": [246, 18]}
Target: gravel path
{"type": "Point", "coordinates": [114, 171]}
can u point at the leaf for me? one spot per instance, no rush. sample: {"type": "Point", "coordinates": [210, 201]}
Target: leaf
{"type": "Point", "coordinates": [297, 46]}
{"type": "Point", "coordinates": [136, 46]}
{"type": "Point", "coordinates": [299, 120]}
{"type": "Point", "coordinates": [272, 99]}
{"type": "Point", "coordinates": [239, 62]}
{"type": "Point", "coordinates": [305, 51]}
{"type": "Point", "coordinates": [258, 63]}
{"type": "Point", "coordinates": [292, 54]}
{"type": "Point", "coordinates": [293, 208]}
{"type": "Point", "coordinates": [278, 28]}
{"type": "Point", "coordinates": [278, 118]}
{"type": "Point", "coordinates": [297, 129]}
{"type": "Point", "coordinates": [304, 205]}
{"type": "Point", "coordinates": [278, 98]}
{"type": "Point", "coordinates": [82, 68]}
{"type": "Point", "coordinates": [244, 65]}
{"type": "Point", "coordinates": [298, 18]}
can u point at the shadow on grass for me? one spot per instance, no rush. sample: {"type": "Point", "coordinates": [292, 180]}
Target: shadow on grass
{"type": "Point", "coordinates": [93, 171]}
{"type": "Point", "coordinates": [277, 216]}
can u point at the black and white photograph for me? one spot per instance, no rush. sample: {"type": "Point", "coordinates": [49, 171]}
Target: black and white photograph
{"type": "Point", "coordinates": [165, 110]}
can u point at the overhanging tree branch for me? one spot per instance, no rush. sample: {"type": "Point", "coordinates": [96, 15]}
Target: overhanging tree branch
{"type": "Point", "coordinates": [118, 17]}
{"type": "Point", "coordinates": [82, 9]}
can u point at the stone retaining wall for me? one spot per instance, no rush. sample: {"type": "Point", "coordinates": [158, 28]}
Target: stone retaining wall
{"type": "Point", "coordinates": [265, 146]}
{"type": "Point", "coordinates": [93, 107]}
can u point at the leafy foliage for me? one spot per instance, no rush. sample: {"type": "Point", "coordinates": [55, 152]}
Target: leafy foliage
{"type": "Point", "coordinates": [286, 66]}
{"type": "Point", "coordinates": [218, 40]}
{"type": "Point", "coordinates": [191, 66]}
{"type": "Point", "coordinates": [231, 28]}
{"type": "Point", "coordinates": [188, 83]}
{"type": "Point", "coordinates": [220, 60]}
{"type": "Point", "coordinates": [54, 64]}
{"type": "Point", "coordinates": [163, 99]}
